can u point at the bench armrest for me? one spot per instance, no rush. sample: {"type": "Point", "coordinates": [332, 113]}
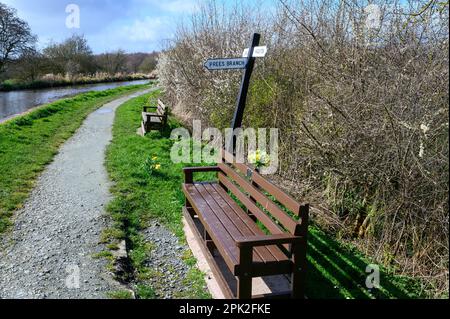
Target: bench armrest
{"type": "Point", "coordinates": [279, 239]}
{"type": "Point", "coordinates": [189, 172]}
{"type": "Point", "coordinates": [146, 107]}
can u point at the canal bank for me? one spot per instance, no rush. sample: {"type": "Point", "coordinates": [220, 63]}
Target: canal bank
{"type": "Point", "coordinates": [14, 103]}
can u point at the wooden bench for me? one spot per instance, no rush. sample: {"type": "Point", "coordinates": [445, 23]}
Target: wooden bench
{"type": "Point", "coordinates": [232, 231]}
{"type": "Point", "coordinates": [155, 120]}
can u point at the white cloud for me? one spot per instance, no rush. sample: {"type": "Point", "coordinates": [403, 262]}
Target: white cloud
{"type": "Point", "coordinates": [147, 29]}
{"type": "Point", "coordinates": [133, 25]}
{"type": "Point", "coordinates": [143, 34]}
{"type": "Point", "coordinates": [180, 6]}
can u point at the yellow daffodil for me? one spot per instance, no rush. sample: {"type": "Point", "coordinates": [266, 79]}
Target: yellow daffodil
{"type": "Point", "coordinates": [259, 158]}
{"type": "Point", "coordinates": [157, 166]}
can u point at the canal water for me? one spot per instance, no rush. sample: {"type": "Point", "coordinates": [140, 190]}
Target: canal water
{"type": "Point", "coordinates": [16, 102]}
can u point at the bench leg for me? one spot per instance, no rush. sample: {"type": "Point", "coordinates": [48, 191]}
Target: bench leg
{"type": "Point", "coordinates": [244, 287]}
{"type": "Point", "coordinates": [298, 276]}
{"type": "Point", "coordinates": [209, 243]}
{"type": "Point", "coordinates": [143, 128]}
{"type": "Point", "coordinates": [244, 280]}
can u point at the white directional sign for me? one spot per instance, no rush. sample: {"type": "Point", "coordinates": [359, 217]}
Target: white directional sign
{"type": "Point", "coordinates": [258, 52]}
{"type": "Point", "coordinates": [226, 64]}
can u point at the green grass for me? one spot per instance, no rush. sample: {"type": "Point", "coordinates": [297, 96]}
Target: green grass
{"type": "Point", "coordinates": [29, 142]}
{"type": "Point", "coordinates": [335, 270]}
{"type": "Point", "coordinates": [120, 294]}
{"type": "Point", "coordinates": [140, 197]}
{"type": "Point", "coordinates": [338, 271]}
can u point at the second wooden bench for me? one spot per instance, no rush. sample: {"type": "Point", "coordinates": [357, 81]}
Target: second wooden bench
{"type": "Point", "coordinates": [154, 117]}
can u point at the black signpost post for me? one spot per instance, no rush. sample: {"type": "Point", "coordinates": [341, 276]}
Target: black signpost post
{"type": "Point", "coordinates": [242, 97]}
{"type": "Point", "coordinates": [247, 63]}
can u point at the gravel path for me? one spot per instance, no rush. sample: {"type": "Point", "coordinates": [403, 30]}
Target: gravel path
{"type": "Point", "coordinates": [166, 262]}
{"type": "Point", "coordinates": [49, 253]}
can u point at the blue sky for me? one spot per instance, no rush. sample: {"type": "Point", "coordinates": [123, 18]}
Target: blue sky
{"type": "Point", "coordinates": [132, 25]}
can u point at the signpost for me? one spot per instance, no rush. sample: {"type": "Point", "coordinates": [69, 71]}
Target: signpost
{"type": "Point", "coordinates": [247, 63]}
{"type": "Point", "coordinates": [225, 64]}
{"type": "Point", "coordinates": [258, 52]}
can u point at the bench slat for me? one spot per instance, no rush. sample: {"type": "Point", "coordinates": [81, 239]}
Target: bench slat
{"type": "Point", "coordinates": [275, 191]}
{"type": "Point", "coordinates": [234, 228]}
{"type": "Point", "coordinates": [243, 216]}
{"type": "Point", "coordinates": [155, 119]}
{"type": "Point", "coordinates": [242, 221]}
{"type": "Point", "coordinates": [218, 233]}
{"type": "Point", "coordinates": [291, 225]}
{"type": "Point", "coordinates": [243, 198]}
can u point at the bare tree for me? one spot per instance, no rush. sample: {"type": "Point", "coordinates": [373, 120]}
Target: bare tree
{"type": "Point", "coordinates": [134, 60]}
{"type": "Point", "coordinates": [15, 36]}
{"type": "Point", "coordinates": [29, 66]}
{"type": "Point", "coordinates": [113, 62]}
{"type": "Point", "coordinates": [71, 56]}
{"type": "Point", "coordinates": [149, 63]}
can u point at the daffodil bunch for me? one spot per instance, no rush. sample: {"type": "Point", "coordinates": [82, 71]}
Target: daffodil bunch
{"type": "Point", "coordinates": [259, 158]}
{"type": "Point", "coordinates": [151, 165]}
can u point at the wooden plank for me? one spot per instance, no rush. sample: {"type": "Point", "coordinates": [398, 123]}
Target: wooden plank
{"type": "Point", "coordinates": [260, 215]}
{"type": "Point", "coordinates": [155, 119]}
{"type": "Point", "coordinates": [269, 187]}
{"type": "Point", "coordinates": [264, 240]}
{"type": "Point", "coordinates": [242, 226]}
{"type": "Point", "coordinates": [276, 212]}
{"type": "Point", "coordinates": [209, 258]}
{"type": "Point", "coordinates": [210, 222]}
{"type": "Point", "coordinates": [161, 104]}
{"type": "Point", "coordinates": [231, 226]}
{"type": "Point", "coordinates": [276, 192]}
{"type": "Point", "coordinates": [245, 218]}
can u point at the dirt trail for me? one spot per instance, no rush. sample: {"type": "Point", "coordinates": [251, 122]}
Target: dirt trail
{"type": "Point", "coordinates": [49, 252]}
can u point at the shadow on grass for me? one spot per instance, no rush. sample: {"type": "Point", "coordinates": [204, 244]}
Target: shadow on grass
{"type": "Point", "coordinates": [337, 272]}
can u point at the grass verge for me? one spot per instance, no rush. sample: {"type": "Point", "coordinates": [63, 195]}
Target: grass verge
{"type": "Point", "coordinates": [140, 197]}
{"type": "Point", "coordinates": [335, 270]}
{"type": "Point", "coordinates": [29, 142]}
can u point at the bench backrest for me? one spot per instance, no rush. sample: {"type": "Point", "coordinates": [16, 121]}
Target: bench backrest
{"type": "Point", "coordinates": [267, 202]}
{"type": "Point", "coordinates": [161, 108]}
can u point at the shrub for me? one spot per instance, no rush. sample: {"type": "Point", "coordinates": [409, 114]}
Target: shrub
{"type": "Point", "coordinates": [362, 112]}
